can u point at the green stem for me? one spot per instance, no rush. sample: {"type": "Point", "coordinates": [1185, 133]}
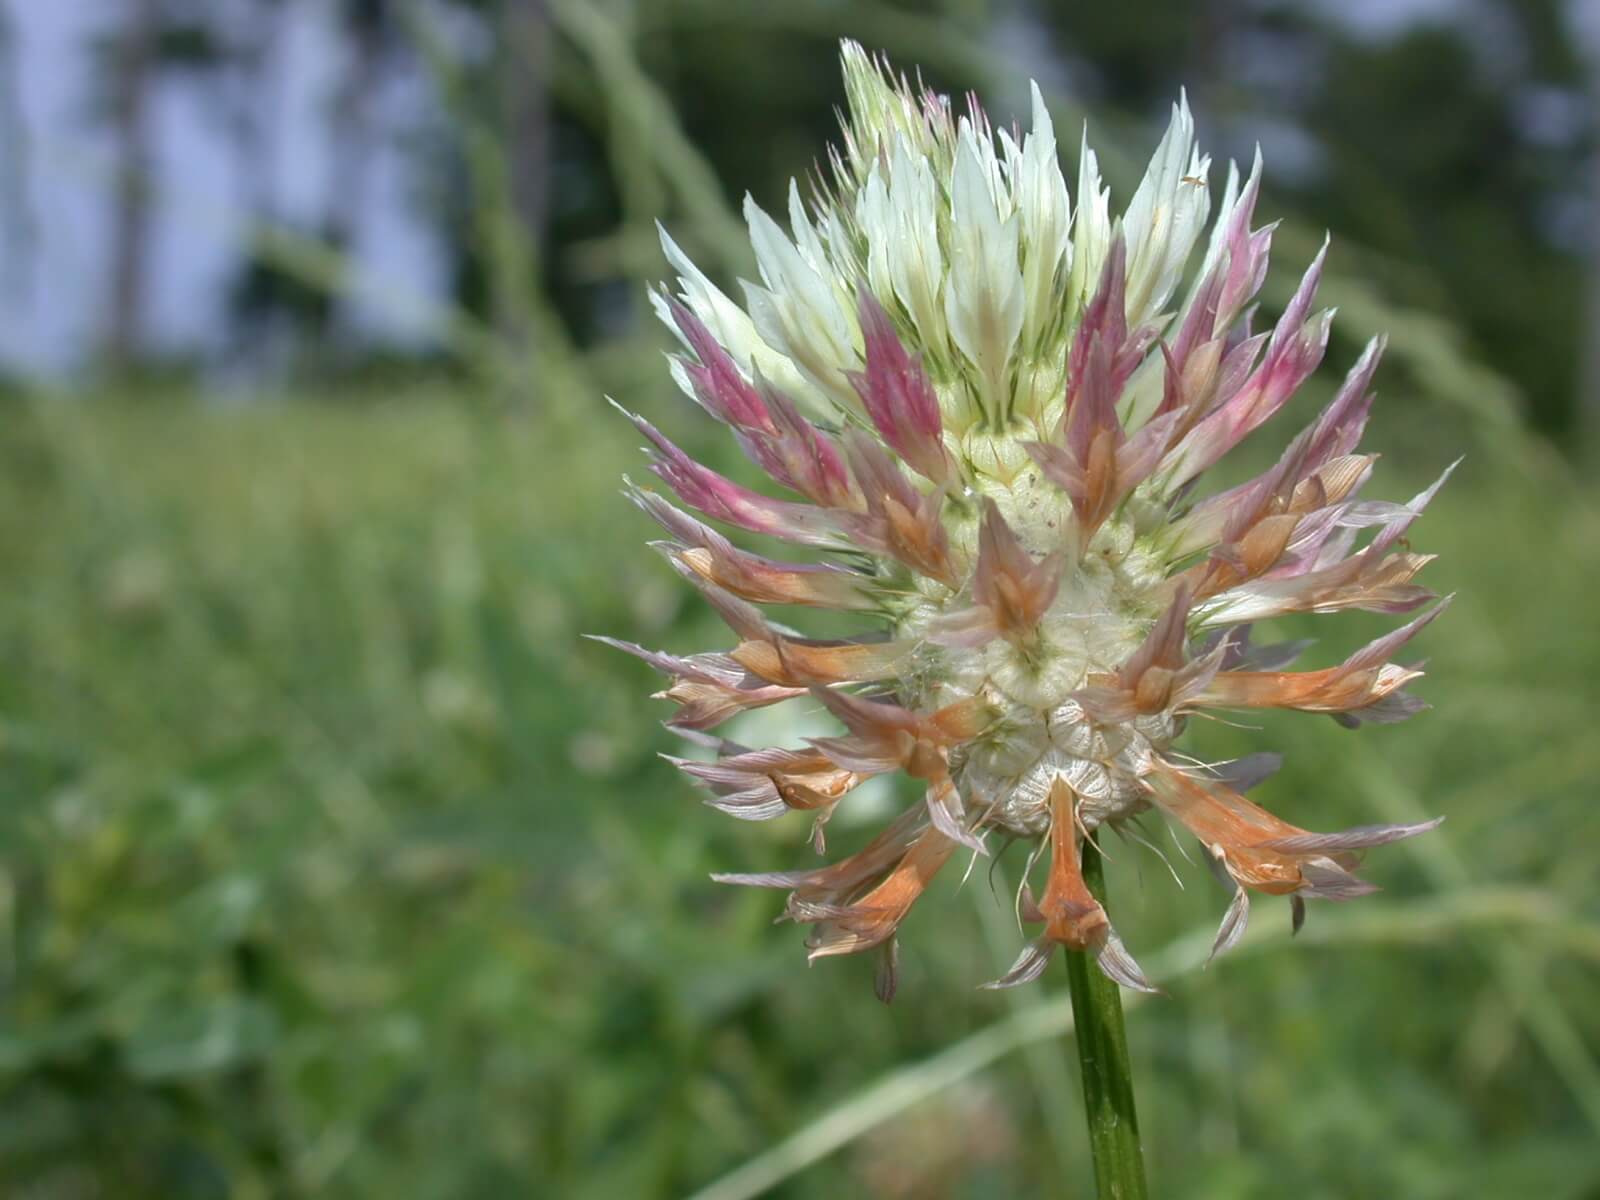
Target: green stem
{"type": "Point", "coordinates": [1103, 1053]}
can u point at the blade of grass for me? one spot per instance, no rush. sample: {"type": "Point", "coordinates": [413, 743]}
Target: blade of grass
{"type": "Point", "coordinates": [640, 108]}
{"type": "Point", "coordinates": [1518, 968]}
{"type": "Point", "coordinates": [1050, 1078]}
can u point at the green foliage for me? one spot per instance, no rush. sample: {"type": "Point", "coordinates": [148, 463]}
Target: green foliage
{"type": "Point", "coordinates": [332, 862]}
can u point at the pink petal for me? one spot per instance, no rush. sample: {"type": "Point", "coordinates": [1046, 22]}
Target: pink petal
{"type": "Point", "coordinates": [899, 396]}
{"type": "Point", "coordinates": [719, 497]}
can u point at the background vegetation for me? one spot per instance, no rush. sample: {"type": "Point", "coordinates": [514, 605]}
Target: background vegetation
{"type": "Point", "coordinates": [334, 863]}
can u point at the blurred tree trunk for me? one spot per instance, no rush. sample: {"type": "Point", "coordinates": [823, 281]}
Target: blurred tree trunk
{"type": "Point", "coordinates": [1589, 377]}
{"type": "Point", "coordinates": [351, 137]}
{"type": "Point", "coordinates": [255, 106]}
{"type": "Point", "coordinates": [526, 120]}
{"type": "Point", "coordinates": [133, 63]}
{"type": "Point", "coordinates": [258, 105]}
{"type": "Point", "coordinates": [16, 216]}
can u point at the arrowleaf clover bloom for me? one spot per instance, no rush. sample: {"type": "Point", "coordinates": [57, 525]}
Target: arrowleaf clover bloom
{"type": "Point", "coordinates": [991, 404]}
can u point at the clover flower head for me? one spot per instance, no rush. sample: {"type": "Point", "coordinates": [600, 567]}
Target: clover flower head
{"type": "Point", "coordinates": [991, 403]}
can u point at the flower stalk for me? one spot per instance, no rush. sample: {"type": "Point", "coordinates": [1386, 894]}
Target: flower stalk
{"type": "Point", "coordinates": [1102, 1041]}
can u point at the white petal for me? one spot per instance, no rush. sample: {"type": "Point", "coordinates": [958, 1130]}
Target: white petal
{"type": "Point", "coordinates": [1041, 198]}
{"type": "Point", "coordinates": [1091, 237]}
{"type": "Point", "coordinates": [799, 312]}
{"type": "Point", "coordinates": [917, 266]}
{"type": "Point", "coordinates": [1165, 217]}
{"type": "Point", "coordinates": [730, 325]}
{"type": "Point", "coordinates": [984, 302]}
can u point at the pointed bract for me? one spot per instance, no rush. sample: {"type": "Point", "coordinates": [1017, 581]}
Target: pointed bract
{"type": "Point", "coordinates": [899, 396]}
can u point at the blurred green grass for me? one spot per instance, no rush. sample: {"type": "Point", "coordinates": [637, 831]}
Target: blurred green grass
{"type": "Point", "coordinates": [334, 863]}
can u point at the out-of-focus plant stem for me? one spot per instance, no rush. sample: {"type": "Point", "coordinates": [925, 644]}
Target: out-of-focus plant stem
{"type": "Point", "coordinates": [1102, 1041]}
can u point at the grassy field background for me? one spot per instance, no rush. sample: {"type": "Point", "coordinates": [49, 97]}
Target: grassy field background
{"type": "Point", "coordinates": [334, 863]}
